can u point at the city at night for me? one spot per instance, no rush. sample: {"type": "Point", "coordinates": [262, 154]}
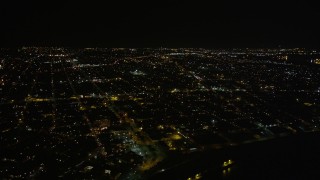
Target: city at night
{"type": "Point", "coordinates": [135, 113]}
{"type": "Point", "coordinates": [159, 91]}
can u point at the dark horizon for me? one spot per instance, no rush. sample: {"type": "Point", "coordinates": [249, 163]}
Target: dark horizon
{"type": "Point", "coordinates": [159, 24]}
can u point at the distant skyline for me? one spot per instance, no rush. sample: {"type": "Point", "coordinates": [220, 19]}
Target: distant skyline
{"type": "Point", "coordinates": [159, 23]}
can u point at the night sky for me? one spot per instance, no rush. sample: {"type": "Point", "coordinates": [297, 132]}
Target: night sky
{"type": "Point", "coordinates": [159, 23]}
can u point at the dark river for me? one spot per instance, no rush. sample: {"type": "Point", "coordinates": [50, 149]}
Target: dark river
{"type": "Point", "coordinates": [291, 157]}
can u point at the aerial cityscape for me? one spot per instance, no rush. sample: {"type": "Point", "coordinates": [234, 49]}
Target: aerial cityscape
{"type": "Point", "coordinates": [142, 113]}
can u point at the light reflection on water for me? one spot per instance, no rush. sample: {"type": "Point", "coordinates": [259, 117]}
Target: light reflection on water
{"type": "Point", "coordinates": [226, 172]}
